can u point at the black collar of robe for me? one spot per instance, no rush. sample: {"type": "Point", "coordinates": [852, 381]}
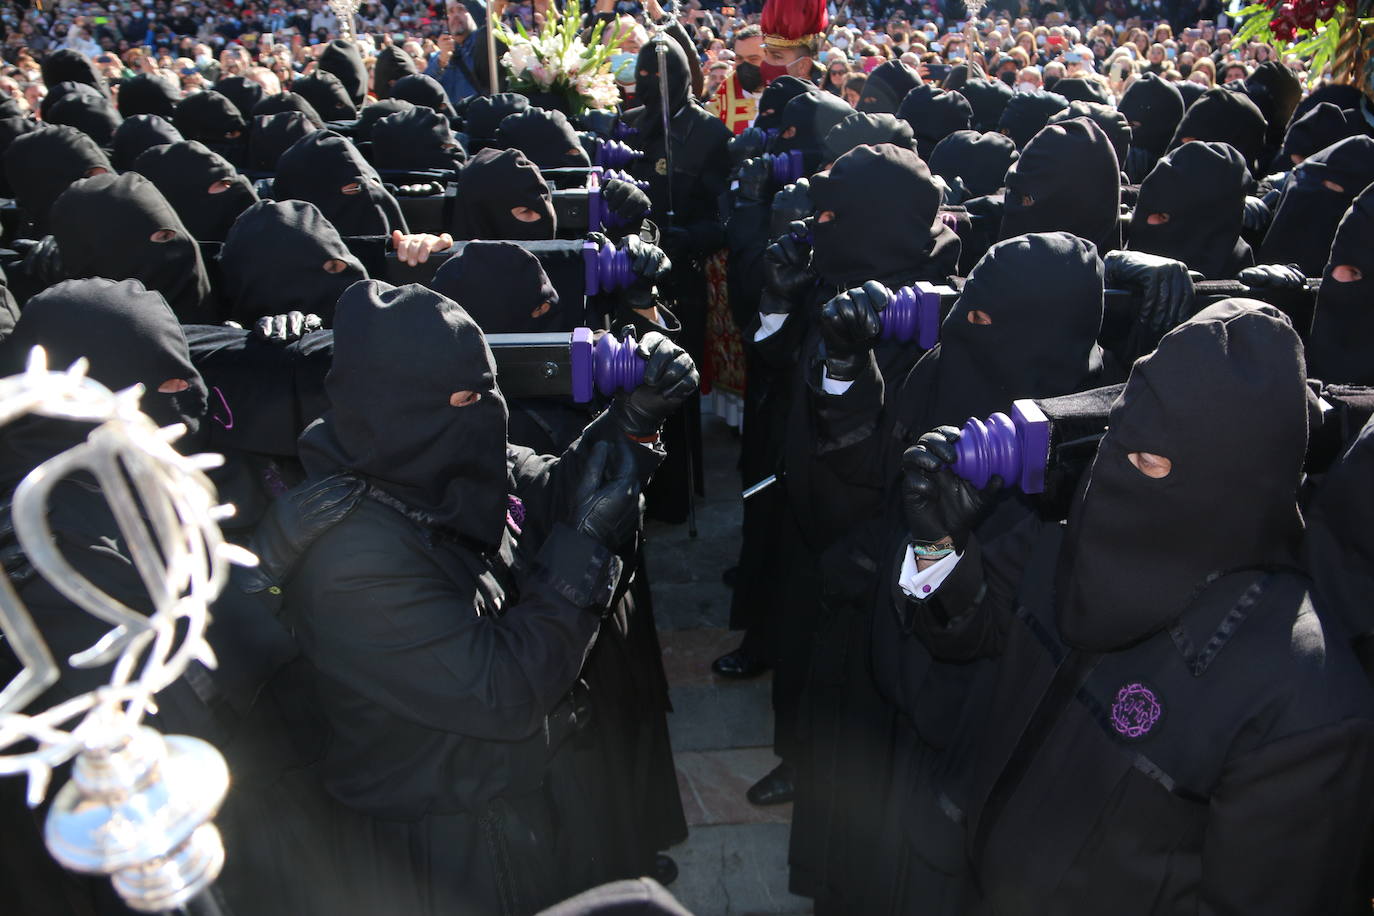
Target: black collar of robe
{"type": "Point", "coordinates": [242, 93]}
{"type": "Point", "coordinates": [485, 113]}
{"type": "Point", "coordinates": [84, 221]}
{"type": "Point", "coordinates": [341, 58]}
{"type": "Point", "coordinates": [775, 97]}
{"type": "Point", "coordinates": [273, 135]}
{"type": "Point", "coordinates": [327, 95]}
{"type": "Point", "coordinates": [1305, 222]}
{"type": "Point", "coordinates": [1202, 188]}
{"type": "Point", "coordinates": [184, 172]}
{"type": "Point", "coordinates": [147, 94]}
{"type": "Point", "coordinates": [420, 138]}
{"type": "Point", "coordinates": [69, 65]}
{"type": "Point", "coordinates": [500, 285]}
{"type": "Point", "coordinates": [392, 64]}
{"type": "Point", "coordinates": [979, 161]}
{"type": "Point", "coordinates": [399, 354]}
{"type": "Point", "coordinates": [1066, 179]}
{"type": "Point", "coordinates": [988, 98]}
{"type": "Point", "coordinates": [66, 90]}
{"type": "Point", "coordinates": [1223, 116]}
{"type": "Point", "coordinates": [287, 101]}
{"type": "Point", "coordinates": [425, 91]}
{"type": "Point", "coordinates": [1027, 112]}
{"type": "Point", "coordinates": [886, 86]}
{"type": "Point", "coordinates": [139, 133]}
{"type": "Point", "coordinates": [490, 185]}
{"type": "Point", "coordinates": [934, 116]}
{"type": "Point", "coordinates": [885, 223]}
{"type": "Point", "coordinates": [647, 89]}
{"type": "Point", "coordinates": [1112, 122]}
{"type": "Point", "coordinates": [368, 118]}
{"type": "Point", "coordinates": [96, 118]}
{"type": "Point", "coordinates": [1153, 107]}
{"type": "Point", "coordinates": [319, 166]}
{"type": "Point", "coordinates": [546, 138]}
{"type": "Point", "coordinates": [866, 129]}
{"type": "Point", "coordinates": [1343, 323]}
{"type": "Point", "coordinates": [273, 262]}
{"type": "Point", "coordinates": [42, 164]}
{"type": "Point", "coordinates": [1321, 126]}
{"type": "Point", "coordinates": [213, 120]}
{"type": "Point", "coordinates": [805, 122]}
{"type": "Point", "coordinates": [1224, 398]}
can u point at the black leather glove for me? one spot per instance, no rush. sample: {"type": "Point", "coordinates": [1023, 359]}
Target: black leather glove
{"type": "Point", "coordinates": [791, 204]}
{"type": "Point", "coordinates": [850, 324]}
{"type": "Point", "coordinates": [1256, 215]}
{"type": "Point", "coordinates": [625, 200]}
{"type": "Point", "coordinates": [1165, 285]}
{"type": "Point", "coordinates": [1273, 276]}
{"type": "Point", "coordinates": [750, 144]}
{"type": "Point", "coordinates": [649, 264]}
{"type": "Point", "coordinates": [599, 122]}
{"type": "Point", "coordinates": [670, 377]}
{"type": "Point", "coordinates": [755, 181]}
{"type": "Point", "coordinates": [42, 260]}
{"type": "Point", "coordinates": [288, 327]}
{"type": "Point", "coordinates": [294, 522]}
{"type": "Point", "coordinates": [938, 503]}
{"type": "Point", "coordinates": [606, 502]}
{"type": "Point", "coordinates": [787, 275]}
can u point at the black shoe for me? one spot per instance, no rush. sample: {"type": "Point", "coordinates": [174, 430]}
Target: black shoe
{"type": "Point", "coordinates": [738, 664]}
{"type": "Point", "coordinates": [664, 870]}
{"type": "Point", "coordinates": [777, 788]}
{"type": "Point", "coordinates": [730, 577]}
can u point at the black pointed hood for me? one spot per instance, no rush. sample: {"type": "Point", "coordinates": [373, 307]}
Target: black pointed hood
{"type": "Point", "coordinates": [342, 58]}
{"type": "Point", "coordinates": [979, 161]}
{"type": "Point", "coordinates": [546, 138]}
{"type": "Point", "coordinates": [1223, 116]}
{"type": "Point", "coordinates": [392, 64]}
{"type": "Point", "coordinates": [242, 92]}
{"type": "Point", "coordinates": [1027, 112]}
{"type": "Point", "coordinates": [1068, 179]}
{"type": "Point", "coordinates": [43, 163]}
{"type": "Point", "coordinates": [148, 94]}
{"type": "Point", "coordinates": [1153, 107]}
{"type": "Point", "coordinates": [777, 94]}
{"type": "Point", "coordinates": [500, 285]}
{"type": "Point", "coordinates": [206, 191]}
{"type": "Point", "coordinates": [490, 185]}
{"type": "Point", "coordinates": [327, 95]}
{"type": "Point", "coordinates": [417, 139]}
{"type": "Point", "coordinates": [287, 101]}
{"type": "Point", "coordinates": [425, 91]}
{"type": "Point", "coordinates": [319, 167]}
{"type": "Point", "coordinates": [139, 133]}
{"type": "Point", "coordinates": [273, 135]}
{"type": "Point", "coordinates": [1201, 187]}
{"type": "Point", "coordinates": [96, 118]}
{"type": "Point", "coordinates": [1316, 197]}
{"type": "Point", "coordinates": [934, 116]}
{"type": "Point", "coordinates": [866, 129]}
{"type": "Point", "coordinates": [886, 86]}
{"type": "Point", "coordinates": [1343, 324]}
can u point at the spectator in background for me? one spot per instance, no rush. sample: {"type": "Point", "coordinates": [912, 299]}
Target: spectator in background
{"type": "Point", "coordinates": [454, 63]}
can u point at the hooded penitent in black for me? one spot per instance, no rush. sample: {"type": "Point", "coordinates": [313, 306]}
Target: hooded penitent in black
{"type": "Point", "coordinates": [1224, 116]}
{"type": "Point", "coordinates": [1275, 90]}
{"type": "Point", "coordinates": [12, 129]}
{"type": "Point", "coordinates": [139, 133]}
{"type": "Point", "coordinates": [805, 122]}
{"type": "Point", "coordinates": [1321, 126]}
{"type": "Point", "coordinates": [988, 98]}
{"type": "Point", "coordinates": [284, 256]}
{"type": "Point", "coordinates": [1027, 112]}
{"type": "Point", "coordinates": [490, 186]}
{"type": "Point", "coordinates": [979, 161]}
{"type": "Point", "coordinates": [392, 64]}
{"type": "Point", "coordinates": [96, 118]}
{"type": "Point", "coordinates": [1153, 108]}
{"type": "Point", "coordinates": [69, 65]}
{"type": "Point", "coordinates": [213, 120]}
{"type": "Point", "coordinates": [1078, 89]}
{"type": "Point", "coordinates": [327, 170]}
{"type": "Point", "coordinates": [206, 191]}
{"type": "Point", "coordinates": [648, 92]}
{"type": "Point", "coordinates": [1196, 195]}
{"type": "Point", "coordinates": [887, 85]}
{"type": "Point", "coordinates": [545, 137]}
{"type": "Point", "coordinates": [341, 58]}
{"type": "Point", "coordinates": [273, 135]}
{"type": "Point", "coordinates": [500, 285]}
{"type": "Point", "coordinates": [368, 118]}
{"type": "Point", "coordinates": [327, 95]}
{"type": "Point", "coordinates": [484, 115]}
{"type": "Point", "coordinates": [42, 164]}
{"type": "Point", "coordinates": [69, 89]}
{"type": "Point", "coordinates": [934, 116]}
{"type": "Point", "coordinates": [777, 94]}
{"type": "Point", "coordinates": [1342, 338]}
{"type": "Point", "coordinates": [1223, 399]}
{"type": "Point", "coordinates": [1066, 179]}
{"type": "Point", "coordinates": [147, 94]}
{"type": "Point", "coordinates": [1315, 198]}
{"type": "Point", "coordinates": [866, 129]}
{"type": "Point", "coordinates": [287, 101]}
{"type": "Point", "coordinates": [151, 244]}
{"type": "Point", "coordinates": [1112, 122]}
{"type": "Point", "coordinates": [405, 437]}
{"type": "Point", "coordinates": [423, 90]}
{"type": "Point", "coordinates": [885, 223]}
{"type": "Point", "coordinates": [417, 139]}
{"type": "Point", "coordinates": [244, 93]}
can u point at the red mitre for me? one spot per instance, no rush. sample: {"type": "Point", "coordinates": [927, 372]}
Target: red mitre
{"type": "Point", "coordinates": [793, 23]}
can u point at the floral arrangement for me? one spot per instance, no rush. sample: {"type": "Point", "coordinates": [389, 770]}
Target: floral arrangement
{"type": "Point", "coordinates": [557, 61]}
{"type": "Point", "coordinates": [1312, 30]}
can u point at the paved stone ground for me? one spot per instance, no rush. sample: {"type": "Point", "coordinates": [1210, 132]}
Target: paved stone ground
{"type": "Point", "coordinates": [734, 861]}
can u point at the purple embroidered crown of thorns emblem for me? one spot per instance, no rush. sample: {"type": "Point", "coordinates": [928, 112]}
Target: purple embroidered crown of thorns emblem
{"type": "Point", "coordinates": [1135, 711]}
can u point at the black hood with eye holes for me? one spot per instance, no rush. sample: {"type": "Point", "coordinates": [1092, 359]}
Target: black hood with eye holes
{"type": "Point", "coordinates": [326, 94]}
{"type": "Point", "coordinates": [184, 172]}
{"type": "Point", "coordinates": [1112, 122]}
{"type": "Point", "coordinates": [81, 218]}
{"type": "Point", "coordinates": [368, 118]}
{"type": "Point", "coordinates": [342, 58]}
{"type": "Point", "coordinates": [319, 166]}
{"type": "Point", "coordinates": [425, 91]}
{"type": "Point", "coordinates": [273, 135]}
{"type": "Point", "coordinates": [1153, 107]}
{"type": "Point", "coordinates": [808, 118]}
{"type": "Point", "coordinates": [489, 186]}
{"type": "Point", "coordinates": [1068, 179]}
{"type": "Point", "coordinates": [95, 117]}
{"type": "Point", "coordinates": [399, 354]}
{"type": "Point", "coordinates": [545, 137]}
{"type": "Point", "coordinates": [866, 129]}
{"type": "Point", "coordinates": [392, 64]}
{"type": "Point", "coordinates": [1322, 125]}
{"type": "Point", "coordinates": [243, 93]}
{"type": "Point", "coordinates": [500, 285]}
{"type": "Point", "coordinates": [273, 262]}
{"type": "Point", "coordinates": [1342, 339]}
{"type": "Point", "coordinates": [42, 164]}
{"type": "Point", "coordinates": [485, 113]}
{"type": "Point", "coordinates": [1027, 112]}
{"type": "Point", "coordinates": [1311, 207]}
{"type": "Point", "coordinates": [886, 86]}
{"type": "Point", "coordinates": [287, 101]}
{"type": "Point", "coordinates": [1201, 186]}
{"type": "Point", "coordinates": [647, 87]}
{"type": "Point", "coordinates": [140, 133]}
{"type": "Point", "coordinates": [988, 98]}
{"type": "Point", "coordinates": [147, 94]}
{"type": "Point", "coordinates": [980, 161]}
{"type": "Point", "coordinates": [69, 65]}
{"type": "Point", "coordinates": [416, 139]}
{"type": "Point", "coordinates": [933, 116]}
{"type": "Point", "coordinates": [1224, 399]}
{"type": "Point", "coordinates": [775, 97]}
{"type": "Point", "coordinates": [1223, 116]}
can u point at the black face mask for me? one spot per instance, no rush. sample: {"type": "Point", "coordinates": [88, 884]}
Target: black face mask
{"type": "Point", "coordinates": [213, 120]}
{"type": "Point", "coordinates": [342, 59]}
{"type": "Point", "coordinates": [1066, 179]}
{"type": "Point", "coordinates": [1343, 324]}
{"type": "Point", "coordinates": [415, 139]}
{"type": "Point", "coordinates": [486, 112]}
{"type": "Point", "coordinates": [140, 133]}
{"type": "Point", "coordinates": [492, 184]}
{"type": "Point", "coordinates": [400, 353]}
{"type": "Point", "coordinates": [545, 137]}
{"type": "Point", "coordinates": [934, 115]}
{"type": "Point", "coordinates": [750, 76]}
{"type": "Point", "coordinates": [1008, 77]}
{"type": "Point", "coordinates": [1311, 207]}
{"type": "Point", "coordinates": [988, 98]}
{"type": "Point", "coordinates": [70, 65]}
{"type": "Point", "coordinates": [647, 84]}
{"type": "Point", "coordinates": [775, 98]}
{"type": "Point", "coordinates": [42, 164]}
{"type": "Point", "coordinates": [1224, 399]}
{"type": "Point", "coordinates": [362, 128]}
{"type": "Point", "coordinates": [805, 122]}
{"type": "Point", "coordinates": [1201, 186]}
{"type": "Point", "coordinates": [194, 180]}
{"type": "Point", "coordinates": [241, 92]}
{"type": "Point", "coordinates": [1223, 116]}
{"type": "Point", "coordinates": [424, 91]}
{"type": "Point", "coordinates": [501, 285]}
{"type": "Point", "coordinates": [1322, 125]}
{"type": "Point", "coordinates": [273, 135]}
{"type": "Point", "coordinates": [319, 167]}
{"type": "Point", "coordinates": [979, 161]}
{"type": "Point", "coordinates": [277, 260]}
{"type": "Point", "coordinates": [1026, 113]}
{"type": "Point", "coordinates": [1153, 107]}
